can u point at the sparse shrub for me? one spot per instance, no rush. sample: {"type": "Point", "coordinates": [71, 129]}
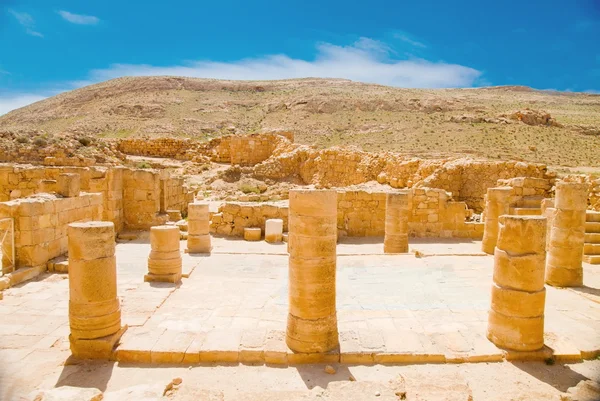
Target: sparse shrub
{"type": "Point", "coordinates": [143, 165]}
{"type": "Point", "coordinates": [39, 142]}
{"type": "Point", "coordinates": [85, 141]}
{"type": "Point", "coordinates": [249, 189]}
{"type": "Point", "coordinates": [22, 139]}
{"type": "Point", "coordinates": [550, 361]}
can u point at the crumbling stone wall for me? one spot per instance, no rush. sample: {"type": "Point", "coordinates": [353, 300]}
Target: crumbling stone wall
{"type": "Point", "coordinates": [41, 224]}
{"type": "Point", "coordinates": [18, 181]}
{"type": "Point", "coordinates": [233, 217]}
{"type": "Point", "coordinates": [141, 199]}
{"type": "Point", "coordinates": [433, 214]}
{"type": "Point", "coordinates": [361, 213]}
{"type": "Point", "coordinates": [469, 180]}
{"type": "Point", "coordinates": [245, 150]}
{"type": "Point", "coordinates": [175, 194]}
{"type": "Point", "coordinates": [155, 147]}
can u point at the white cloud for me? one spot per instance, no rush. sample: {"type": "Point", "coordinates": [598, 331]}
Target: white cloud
{"type": "Point", "coordinates": [366, 60]}
{"type": "Point", "coordinates": [79, 18]}
{"type": "Point", "coordinates": [27, 22]}
{"type": "Point", "coordinates": [409, 39]}
{"type": "Point", "coordinates": [16, 100]}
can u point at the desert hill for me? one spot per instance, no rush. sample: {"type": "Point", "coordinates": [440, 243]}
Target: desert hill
{"type": "Point", "coordinates": [495, 123]}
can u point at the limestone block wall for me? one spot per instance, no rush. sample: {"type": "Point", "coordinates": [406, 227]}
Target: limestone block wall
{"type": "Point", "coordinates": [155, 147]}
{"type": "Point", "coordinates": [469, 180]}
{"type": "Point", "coordinates": [141, 199]}
{"type": "Point", "coordinates": [594, 196]}
{"type": "Point", "coordinates": [175, 195]}
{"type": "Point", "coordinates": [527, 187]}
{"type": "Point", "coordinates": [41, 224]}
{"type": "Point", "coordinates": [233, 217]}
{"type": "Point", "coordinates": [18, 181]}
{"type": "Point", "coordinates": [433, 214]}
{"type": "Point", "coordinates": [249, 150]}
{"type": "Point", "coordinates": [362, 214]}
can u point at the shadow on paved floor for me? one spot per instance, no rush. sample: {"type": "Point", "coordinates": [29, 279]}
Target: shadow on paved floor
{"type": "Point", "coordinates": [587, 290]}
{"type": "Point", "coordinates": [559, 376]}
{"type": "Point", "coordinates": [88, 374]}
{"type": "Point", "coordinates": [315, 376]}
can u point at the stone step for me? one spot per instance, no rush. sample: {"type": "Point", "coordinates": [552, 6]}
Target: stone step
{"type": "Point", "coordinates": [592, 259]}
{"type": "Point", "coordinates": [592, 216]}
{"type": "Point", "coordinates": [526, 211]}
{"type": "Point", "coordinates": [591, 249]}
{"type": "Point", "coordinates": [530, 201]}
{"type": "Point", "coordinates": [592, 238]}
{"type": "Point", "coordinates": [592, 226]}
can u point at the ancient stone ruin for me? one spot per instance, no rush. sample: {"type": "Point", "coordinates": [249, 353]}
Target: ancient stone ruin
{"type": "Point", "coordinates": [294, 255]}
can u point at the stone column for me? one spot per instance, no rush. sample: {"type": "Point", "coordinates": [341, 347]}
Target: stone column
{"type": "Point", "coordinates": [516, 317]}
{"type": "Point", "coordinates": [312, 236]}
{"type": "Point", "coordinates": [397, 212]}
{"type": "Point", "coordinates": [548, 211]}
{"type": "Point", "coordinates": [164, 262]}
{"type": "Point", "coordinates": [567, 236]}
{"type": "Point", "coordinates": [198, 240]}
{"type": "Point", "coordinates": [497, 202]}
{"type": "Point", "coordinates": [274, 230]}
{"type": "Point", "coordinates": [94, 309]}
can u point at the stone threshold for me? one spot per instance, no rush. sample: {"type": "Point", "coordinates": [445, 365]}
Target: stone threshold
{"type": "Point", "coordinates": [280, 357]}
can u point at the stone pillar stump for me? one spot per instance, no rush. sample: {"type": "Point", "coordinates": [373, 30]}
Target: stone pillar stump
{"type": "Point", "coordinates": [567, 235]}
{"type": "Point", "coordinates": [164, 262]}
{"type": "Point", "coordinates": [274, 230]}
{"type": "Point", "coordinates": [516, 317]}
{"type": "Point", "coordinates": [312, 241]}
{"type": "Point", "coordinates": [397, 212]}
{"type": "Point", "coordinates": [94, 309]}
{"type": "Point", "coordinates": [198, 240]}
{"type": "Point", "coordinates": [496, 204]}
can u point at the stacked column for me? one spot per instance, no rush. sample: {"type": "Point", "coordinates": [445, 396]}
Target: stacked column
{"type": "Point", "coordinates": [312, 320]}
{"type": "Point", "coordinates": [397, 212]}
{"type": "Point", "coordinates": [164, 262]}
{"type": "Point", "coordinates": [496, 205]}
{"type": "Point", "coordinates": [94, 309]}
{"type": "Point", "coordinates": [198, 240]}
{"type": "Point", "coordinates": [516, 318]}
{"type": "Point", "coordinates": [567, 236]}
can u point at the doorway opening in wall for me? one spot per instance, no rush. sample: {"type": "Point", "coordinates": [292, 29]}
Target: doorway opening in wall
{"type": "Point", "coordinates": [7, 245]}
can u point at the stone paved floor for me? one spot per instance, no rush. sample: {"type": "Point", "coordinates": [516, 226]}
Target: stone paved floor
{"type": "Point", "coordinates": [433, 307]}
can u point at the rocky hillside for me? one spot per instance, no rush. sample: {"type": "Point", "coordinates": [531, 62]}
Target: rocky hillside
{"type": "Point", "coordinates": [495, 123]}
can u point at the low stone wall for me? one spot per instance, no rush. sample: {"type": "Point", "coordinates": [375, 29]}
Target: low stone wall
{"type": "Point", "coordinates": [362, 214]}
{"type": "Point", "coordinates": [467, 179]}
{"type": "Point", "coordinates": [41, 224]}
{"type": "Point", "coordinates": [176, 195]}
{"type": "Point", "coordinates": [155, 147]}
{"type": "Point", "coordinates": [245, 150]}
{"type": "Point", "coordinates": [233, 217]}
{"type": "Point", "coordinates": [433, 214]}
{"type": "Point", "coordinates": [141, 199]}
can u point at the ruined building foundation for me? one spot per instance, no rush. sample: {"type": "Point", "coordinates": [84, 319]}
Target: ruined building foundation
{"type": "Point", "coordinates": [198, 240]}
{"type": "Point", "coordinates": [312, 319]}
{"type": "Point", "coordinates": [164, 262]}
{"type": "Point", "coordinates": [516, 317]}
{"type": "Point", "coordinates": [94, 309]}
{"type": "Point", "coordinates": [497, 203]}
{"type": "Point", "coordinates": [567, 236]}
{"type": "Point", "coordinates": [397, 214]}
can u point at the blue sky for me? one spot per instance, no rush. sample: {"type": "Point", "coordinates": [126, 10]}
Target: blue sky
{"type": "Point", "coordinates": [49, 46]}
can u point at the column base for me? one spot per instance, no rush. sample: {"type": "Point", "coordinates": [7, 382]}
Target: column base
{"type": "Point", "coordinates": [98, 348]}
{"type": "Point", "coordinates": [162, 278]}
